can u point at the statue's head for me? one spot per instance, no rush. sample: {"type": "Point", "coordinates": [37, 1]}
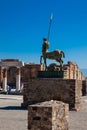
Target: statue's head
{"type": "Point", "coordinates": [45, 40]}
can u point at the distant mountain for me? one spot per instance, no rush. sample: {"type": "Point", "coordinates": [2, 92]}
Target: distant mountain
{"type": "Point", "coordinates": [84, 71]}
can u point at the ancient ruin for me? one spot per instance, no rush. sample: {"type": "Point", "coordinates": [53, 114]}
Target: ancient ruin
{"type": "Point", "coordinates": [6, 67]}
{"type": "Point", "coordinates": [48, 98]}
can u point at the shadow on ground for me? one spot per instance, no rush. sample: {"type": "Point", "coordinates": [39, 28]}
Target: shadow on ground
{"type": "Point", "coordinates": [12, 108]}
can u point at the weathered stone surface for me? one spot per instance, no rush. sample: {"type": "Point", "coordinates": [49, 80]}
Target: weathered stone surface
{"type": "Point", "coordinates": [49, 115]}
{"type": "Point", "coordinates": [45, 89]}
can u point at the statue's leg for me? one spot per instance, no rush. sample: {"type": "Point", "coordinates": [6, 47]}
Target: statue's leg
{"type": "Point", "coordinates": [45, 63]}
{"type": "Point", "coordinates": [61, 61]}
{"type": "Point", "coordinates": [41, 59]}
{"type": "Point", "coordinates": [61, 64]}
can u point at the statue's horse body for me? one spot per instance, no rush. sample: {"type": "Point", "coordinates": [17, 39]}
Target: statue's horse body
{"type": "Point", "coordinates": [54, 55]}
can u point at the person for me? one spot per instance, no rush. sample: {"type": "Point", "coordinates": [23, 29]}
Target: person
{"type": "Point", "coordinates": [8, 89]}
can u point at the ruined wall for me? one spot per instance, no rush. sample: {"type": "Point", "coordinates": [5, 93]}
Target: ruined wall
{"type": "Point", "coordinates": [27, 71]}
{"type": "Point", "coordinates": [49, 115]}
{"type": "Point", "coordinates": [31, 71]}
{"type": "Point", "coordinates": [11, 66]}
{"type": "Point", "coordinates": [45, 89]}
{"type": "Point", "coordinates": [72, 71]}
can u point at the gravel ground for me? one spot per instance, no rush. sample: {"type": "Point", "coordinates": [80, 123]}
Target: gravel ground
{"type": "Point", "coordinates": [78, 120]}
{"type": "Point", "coordinates": [13, 117]}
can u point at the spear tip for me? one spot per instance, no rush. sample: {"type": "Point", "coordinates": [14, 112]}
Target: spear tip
{"type": "Point", "coordinates": [51, 17]}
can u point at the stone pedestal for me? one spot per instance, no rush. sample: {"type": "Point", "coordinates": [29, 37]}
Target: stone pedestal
{"type": "Point", "coordinates": [45, 89]}
{"type": "Point", "coordinates": [49, 115]}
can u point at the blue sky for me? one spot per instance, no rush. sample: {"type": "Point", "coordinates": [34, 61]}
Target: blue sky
{"type": "Point", "coordinates": [24, 23]}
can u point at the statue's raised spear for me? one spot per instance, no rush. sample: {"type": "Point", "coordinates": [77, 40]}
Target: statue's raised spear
{"type": "Point", "coordinates": [46, 39]}
{"type": "Point", "coordinates": [51, 17]}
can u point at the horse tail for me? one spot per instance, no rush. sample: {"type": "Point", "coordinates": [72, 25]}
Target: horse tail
{"type": "Point", "coordinates": [63, 54]}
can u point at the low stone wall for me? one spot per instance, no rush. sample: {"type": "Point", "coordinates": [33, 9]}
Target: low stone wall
{"type": "Point", "coordinates": [45, 89]}
{"type": "Point", "coordinates": [51, 115]}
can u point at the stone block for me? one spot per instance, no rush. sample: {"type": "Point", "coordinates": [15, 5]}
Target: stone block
{"type": "Point", "coordinates": [49, 115]}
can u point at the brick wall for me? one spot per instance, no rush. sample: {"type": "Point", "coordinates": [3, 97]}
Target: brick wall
{"type": "Point", "coordinates": [72, 71]}
{"type": "Point", "coordinates": [45, 89]}
{"type": "Point", "coordinates": [31, 71]}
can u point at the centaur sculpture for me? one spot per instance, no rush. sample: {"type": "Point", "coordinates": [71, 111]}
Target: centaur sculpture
{"type": "Point", "coordinates": [54, 55]}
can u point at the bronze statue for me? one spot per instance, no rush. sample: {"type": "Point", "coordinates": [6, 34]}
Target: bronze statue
{"type": "Point", "coordinates": [54, 55]}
